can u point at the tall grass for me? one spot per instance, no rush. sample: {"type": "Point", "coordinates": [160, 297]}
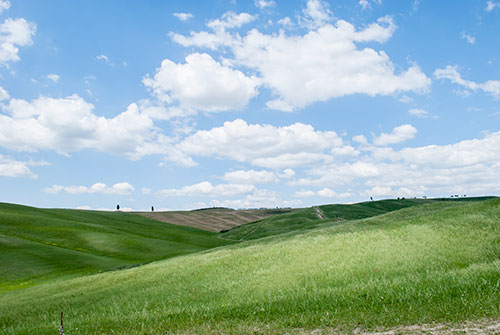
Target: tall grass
{"type": "Point", "coordinates": [436, 262]}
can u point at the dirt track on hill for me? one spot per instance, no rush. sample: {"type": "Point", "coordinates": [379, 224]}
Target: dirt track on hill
{"type": "Point", "coordinates": [481, 327]}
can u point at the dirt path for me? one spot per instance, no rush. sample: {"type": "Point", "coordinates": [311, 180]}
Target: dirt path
{"type": "Point", "coordinates": [487, 327]}
{"type": "Point", "coordinates": [319, 213]}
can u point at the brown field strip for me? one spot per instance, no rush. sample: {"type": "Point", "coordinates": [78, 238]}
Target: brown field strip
{"type": "Point", "coordinates": [213, 219]}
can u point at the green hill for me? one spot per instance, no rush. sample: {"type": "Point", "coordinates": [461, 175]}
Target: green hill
{"type": "Point", "coordinates": [43, 244]}
{"type": "Point", "coordinates": [437, 262]}
{"type": "Point", "coordinates": [314, 217]}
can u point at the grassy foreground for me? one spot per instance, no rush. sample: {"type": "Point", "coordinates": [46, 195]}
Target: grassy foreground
{"type": "Point", "coordinates": [437, 262]}
{"type": "Point", "coordinates": [39, 245]}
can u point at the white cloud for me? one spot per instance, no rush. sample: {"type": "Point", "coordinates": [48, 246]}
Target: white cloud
{"type": "Point", "coordinates": [398, 134]}
{"type": "Point", "coordinates": [365, 4]}
{"type": "Point", "coordinates": [264, 3]}
{"type": "Point", "coordinates": [325, 64]}
{"type": "Point", "coordinates": [4, 95]}
{"type": "Point", "coordinates": [418, 112]}
{"type": "Point", "coordinates": [321, 64]}
{"type": "Point", "coordinates": [146, 190]}
{"type": "Point", "coordinates": [328, 193]}
{"type": "Point", "coordinates": [13, 33]}
{"type": "Point", "coordinates": [304, 194]}
{"type": "Point", "coordinates": [231, 20]}
{"type": "Point", "coordinates": [262, 145]}
{"type": "Point", "coordinates": [286, 22]}
{"type": "Point", "coordinates": [250, 177]}
{"type": "Point", "coordinates": [207, 189]}
{"type": "Point", "coordinates": [183, 16]}
{"type": "Point", "coordinates": [406, 99]}
{"type": "Point", "coordinates": [491, 87]}
{"type": "Point", "coordinates": [257, 199]}
{"type": "Point", "coordinates": [491, 5]}
{"type": "Point", "coordinates": [68, 125]}
{"type": "Point", "coordinates": [470, 39]}
{"type": "Point", "coordinates": [103, 57]}
{"type": "Point", "coordinates": [345, 151]}
{"type": "Point", "coordinates": [97, 188]}
{"type": "Point", "coordinates": [361, 139]}
{"type": "Point", "coordinates": [287, 174]}
{"type": "Point", "coordinates": [202, 84]}
{"type": "Point", "coordinates": [220, 36]}
{"type": "Point", "coordinates": [316, 14]}
{"type": "Point", "coordinates": [10, 167]}
{"type": "Point", "coordinates": [54, 77]}
{"type": "Point", "coordinates": [4, 5]}
{"type": "Point", "coordinates": [467, 167]}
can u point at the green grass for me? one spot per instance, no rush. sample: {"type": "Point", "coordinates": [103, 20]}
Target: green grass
{"type": "Point", "coordinates": [308, 218]}
{"type": "Point", "coordinates": [44, 244]}
{"type": "Point", "coordinates": [438, 262]}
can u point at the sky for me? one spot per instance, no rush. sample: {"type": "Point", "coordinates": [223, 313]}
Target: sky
{"type": "Point", "coordinates": [247, 104]}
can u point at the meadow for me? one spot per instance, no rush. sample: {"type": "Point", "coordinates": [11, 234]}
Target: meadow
{"type": "Point", "coordinates": [436, 262]}
{"type": "Point", "coordinates": [40, 245]}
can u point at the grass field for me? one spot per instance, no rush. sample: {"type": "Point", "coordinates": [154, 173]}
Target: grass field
{"type": "Point", "coordinates": [437, 262]}
{"type": "Point", "coordinates": [44, 244]}
{"type": "Point", "coordinates": [314, 217]}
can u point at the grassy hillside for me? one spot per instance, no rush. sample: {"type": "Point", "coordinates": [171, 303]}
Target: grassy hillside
{"type": "Point", "coordinates": [310, 218]}
{"type": "Point", "coordinates": [432, 263]}
{"type": "Point", "coordinates": [213, 219]}
{"type": "Point", "coordinates": [42, 244]}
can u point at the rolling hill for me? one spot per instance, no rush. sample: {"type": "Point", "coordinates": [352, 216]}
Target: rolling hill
{"type": "Point", "coordinates": [314, 217]}
{"type": "Point", "coordinates": [45, 244]}
{"type": "Point", "coordinates": [438, 262]}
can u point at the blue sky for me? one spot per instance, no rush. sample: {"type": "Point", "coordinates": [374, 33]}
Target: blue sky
{"type": "Point", "coordinates": [244, 104]}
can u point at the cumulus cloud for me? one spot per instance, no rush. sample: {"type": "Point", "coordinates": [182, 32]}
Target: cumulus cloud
{"type": "Point", "coordinates": [398, 134]}
{"type": "Point", "coordinates": [328, 193]}
{"type": "Point", "coordinates": [97, 188]}
{"type": "Point", "coordinates": [68, 125]}
{"type": "Point", "coordinates": [287, 174]}
{"type": "Point", "coordinates": [451, 73]}
{"type": "Point", "coordinates": [262, 145]}
{"type": "Point", "coordinates": [491, 5]}
{"type": "Point", "coordinates": [466, 167]}
{"type": "Point", "coordinates": [14, 33]}
{"type": "Point", "coordinates": [304, 194]}
{"type": "Point", "coordinates": [202, 84]}
{"type": "Point", "coordinates": [326, 63]}
{"type": "Point", "coordinates": [54, 77]}
{"type": "Point", "coordinates": [470, 39]}
{"type": "Point", "coordinates": [4, 5]}
{"type": "Point", "coordinates": [316, 14]}
{"type": "Point", "coordinates": [366, 4]}
{"type": "Point", "coordinates": [323, 63]}
{"type": "Point", "coordinates": [231, 20]}
{"type": "Point", "coordinates": [4, 95]}
{"type": "Point", "coordinates": [207, 189]}
{"type": "Point", "coordinates": [103, 58]}
{"type": "Point", "coordinates": [418, 112]}
{"type": "Point", "coordinates": [264, 3]}
{"type": "Point", "coordinates": [183, 16]}
{"type": "Point", "coordinates": [260, 198]}
{"type": "Point", "coordinates": [250, 177]}
{"type": "Point", "coordinates": [10, 167]}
